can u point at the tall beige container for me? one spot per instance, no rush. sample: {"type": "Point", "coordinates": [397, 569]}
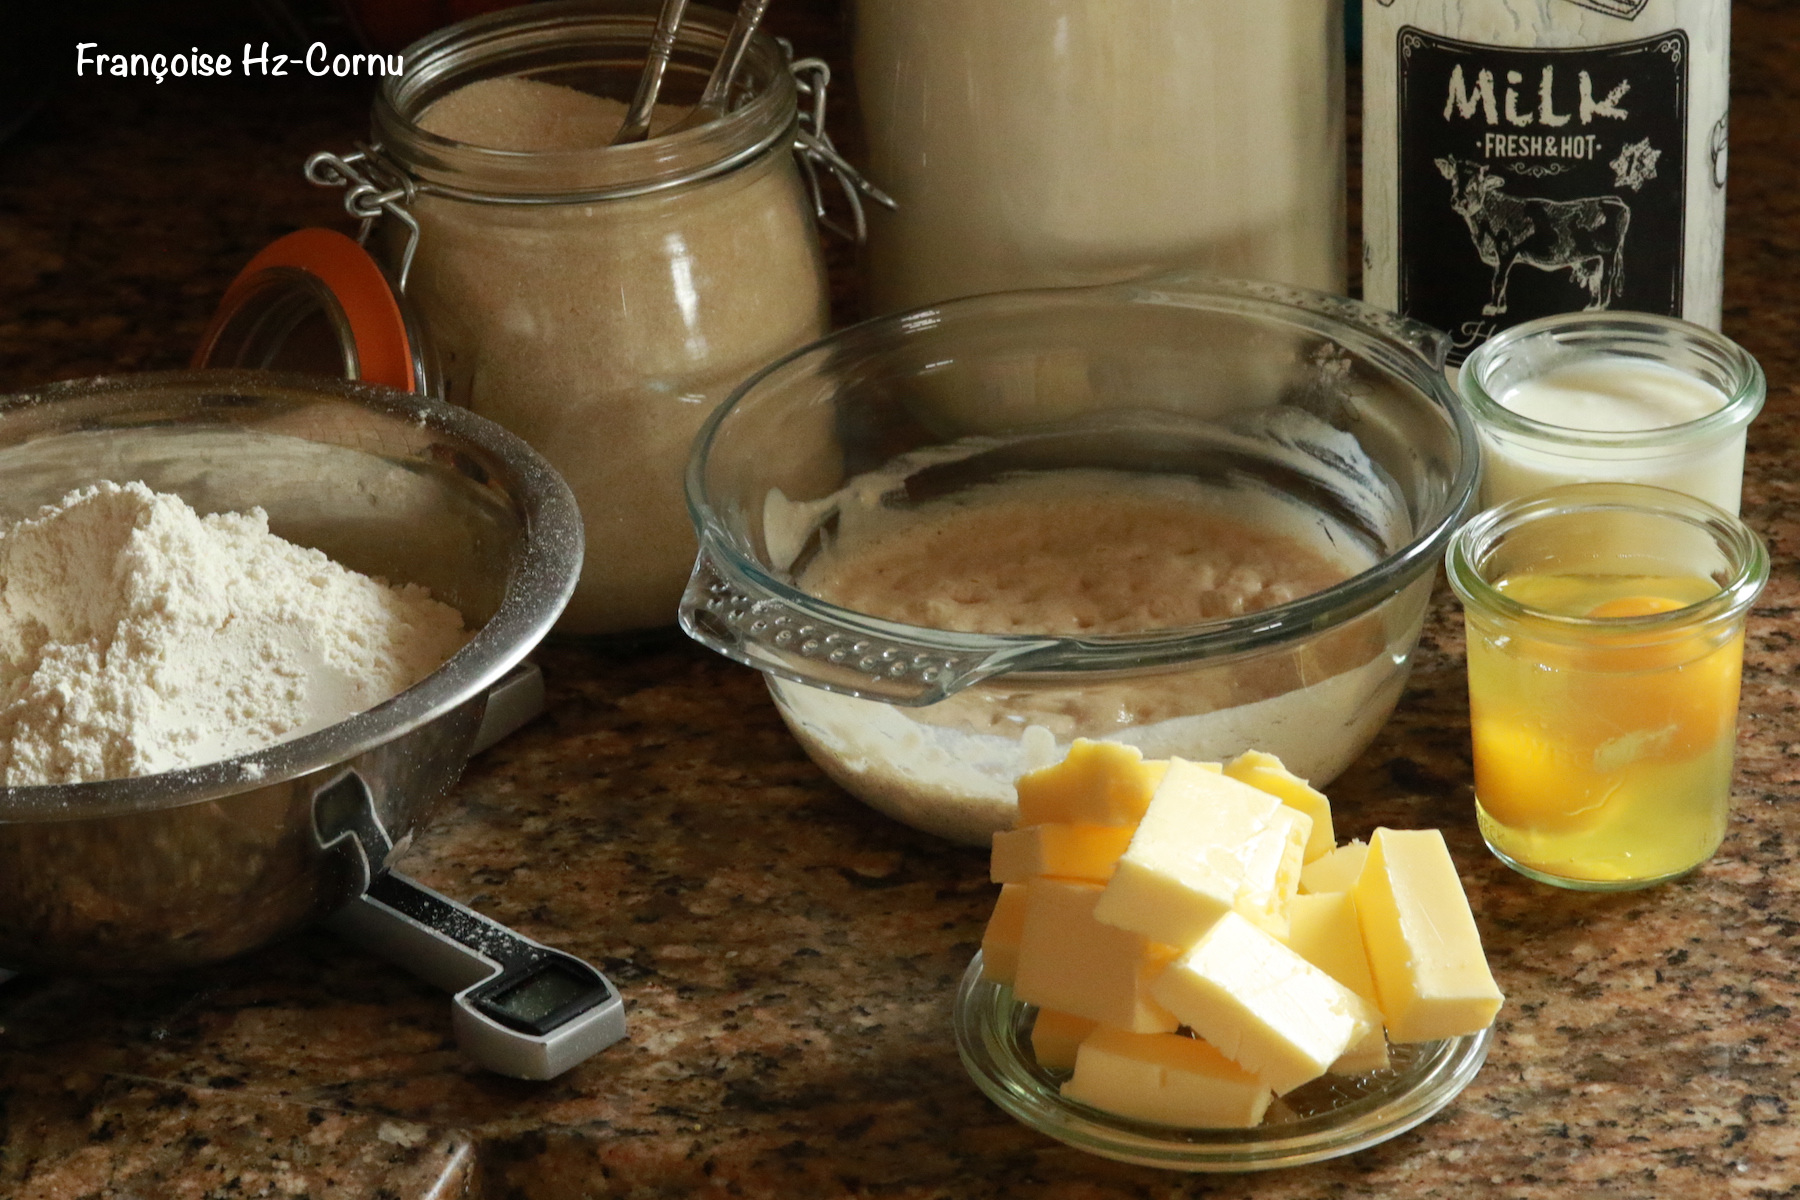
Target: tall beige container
{"type": "Point", "coordinates": [1038, 143]}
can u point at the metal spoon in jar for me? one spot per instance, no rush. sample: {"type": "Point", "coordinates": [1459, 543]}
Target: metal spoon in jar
{"type": "Point", "coordinates": [662, 44]}
{"type": "Point", "coordinates": [714, 100]}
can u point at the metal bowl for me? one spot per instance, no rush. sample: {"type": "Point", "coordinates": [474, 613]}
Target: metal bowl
{"type": "Point", "coordinates": [189, 867]}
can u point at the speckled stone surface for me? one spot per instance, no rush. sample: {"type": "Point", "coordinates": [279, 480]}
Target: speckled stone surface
{"type": "Point", "coordinates": [789, 957]}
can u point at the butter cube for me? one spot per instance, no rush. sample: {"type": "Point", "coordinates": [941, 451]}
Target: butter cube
{"type": "Point", "coordinates": [1266, 772]}
{"type": "Point", "coordinates": [1431, 975]}
{"type": "Point", "coordinates": [1097, 783]}
{"type": "Point", "coordinates": [1000, 941]}
{"type": "Point", "coordinates": [1370, 1054]}
{"type": "Point", "coordinates": [1337, 871]}
{"type": "Point", "coordinates": [1272, 870]}
{"type": "Point", "coordinates": [1264, 1007]}
{"type": "Point", "coordinates": [1064, 851]}
{"type": "Point", "coordinates": [1166, 1078]}
{"type": "Point", "coordinates": [1323, 930]}
{"type": "Point", "coordinates": [1186, 865]}
{"type": "Point", "coordinates": [1055, 1036]}
{"type": "Point", "coordinates": [1072, 963]}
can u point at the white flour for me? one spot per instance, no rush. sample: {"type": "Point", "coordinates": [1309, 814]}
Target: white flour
{"type": "Point", "coordinates": [137, 637]}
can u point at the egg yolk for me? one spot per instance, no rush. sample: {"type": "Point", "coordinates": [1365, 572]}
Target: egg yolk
{"type": "Point", "coordinates": [1680, 695]}
{"type": "Point", "coordinates": [1529, 780]}
{"type": "Point", "coordinates": [1629, 697]}
{"type": "Point", "coordinates": [1558, 728]}
{"type": "Point", "coordinates": [1635, 606]}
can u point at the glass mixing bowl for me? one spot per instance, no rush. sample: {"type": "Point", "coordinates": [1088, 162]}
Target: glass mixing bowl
{"type": "Point", "coordinates": [1333, 415]}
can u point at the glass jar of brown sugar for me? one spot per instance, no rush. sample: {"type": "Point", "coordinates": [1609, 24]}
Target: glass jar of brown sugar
{"type": "Point", "coordinates": [598, 300]}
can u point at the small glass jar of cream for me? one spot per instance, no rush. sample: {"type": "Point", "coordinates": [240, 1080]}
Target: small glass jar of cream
{"type": "Point", "coordinates": [1612, 397]}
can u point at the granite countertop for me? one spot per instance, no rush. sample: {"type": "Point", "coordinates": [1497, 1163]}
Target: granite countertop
{"type": "Point", "coordinates": [787, 955]}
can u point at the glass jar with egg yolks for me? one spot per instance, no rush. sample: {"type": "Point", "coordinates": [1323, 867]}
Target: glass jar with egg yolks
{"type": "Point", "coordinates": [1605, 641]}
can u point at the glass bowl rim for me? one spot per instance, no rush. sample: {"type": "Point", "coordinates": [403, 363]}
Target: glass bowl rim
{"type": "Point", "coordinates": [1471, 544]}
{"type": "Point", "coordinates": [1387, 341]}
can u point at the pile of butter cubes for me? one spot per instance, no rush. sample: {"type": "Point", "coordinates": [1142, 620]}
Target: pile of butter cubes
{"type": "Point", "coordinates": [1196, 944]}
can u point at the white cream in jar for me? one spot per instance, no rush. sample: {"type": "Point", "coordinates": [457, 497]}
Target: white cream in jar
{"type": "Point", "coordinates": [1625, 398]}
{"type": "Point", "coordinates": [1613, 395]}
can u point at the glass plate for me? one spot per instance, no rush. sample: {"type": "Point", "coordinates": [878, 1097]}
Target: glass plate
{"type": "Point", "coordinates": [1329, 1117]}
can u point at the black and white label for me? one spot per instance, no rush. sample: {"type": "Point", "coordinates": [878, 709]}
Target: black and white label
{"type": "Point", "coordinates": [1539, 181]}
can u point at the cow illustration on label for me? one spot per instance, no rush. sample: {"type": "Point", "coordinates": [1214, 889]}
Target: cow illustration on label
{"type": "Point", "coordinates": [1584, 236]}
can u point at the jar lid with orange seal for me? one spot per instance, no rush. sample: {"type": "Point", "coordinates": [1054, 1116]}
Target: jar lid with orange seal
{"type": "Point", "coordinates": [315, 302]}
